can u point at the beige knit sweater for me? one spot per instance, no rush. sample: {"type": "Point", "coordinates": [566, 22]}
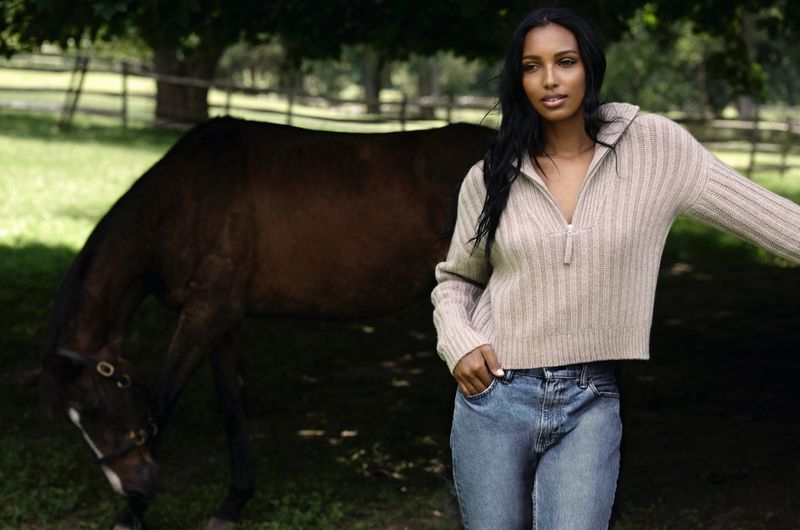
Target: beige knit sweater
{"type": "Point", "coordinates": [558, 294]}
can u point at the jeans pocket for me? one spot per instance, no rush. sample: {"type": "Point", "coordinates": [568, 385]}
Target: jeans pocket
{"type": "Point", "coordinates": [483, 393]}
{"type": "Point", "coordinates": [604, 385]}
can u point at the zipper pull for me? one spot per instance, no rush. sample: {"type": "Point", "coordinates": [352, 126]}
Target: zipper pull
{"type": "Point", "coordinates": [568, 249]}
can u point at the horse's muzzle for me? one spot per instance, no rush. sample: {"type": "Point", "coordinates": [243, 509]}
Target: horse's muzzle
{"type": "Point", "coordinates": [145, 482]}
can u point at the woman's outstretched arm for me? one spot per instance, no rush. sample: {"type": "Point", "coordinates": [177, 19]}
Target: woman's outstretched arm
{"type": "Point", "coordinates": [732, 202]}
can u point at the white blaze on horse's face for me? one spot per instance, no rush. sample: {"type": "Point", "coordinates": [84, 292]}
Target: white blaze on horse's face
{"type": "Point", "coordinates": [113, 479]}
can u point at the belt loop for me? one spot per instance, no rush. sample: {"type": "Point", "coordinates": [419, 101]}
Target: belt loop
{"type": "Point", "coordinates": [507, 376]}
{"type": "Point", "coordinates": [584, 382]}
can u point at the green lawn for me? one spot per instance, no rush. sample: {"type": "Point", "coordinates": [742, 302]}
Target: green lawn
{"type": "Point", "coordinates": [349, 419]}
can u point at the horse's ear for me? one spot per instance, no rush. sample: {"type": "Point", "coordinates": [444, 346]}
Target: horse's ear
{"type": "Point", "coordinates": [62, 366]}
{"type": "Point", "coordinates": [55, 370]}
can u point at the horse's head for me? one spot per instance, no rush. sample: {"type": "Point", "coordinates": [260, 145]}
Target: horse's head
{"type": "Point", "coordinates": [103, 399]}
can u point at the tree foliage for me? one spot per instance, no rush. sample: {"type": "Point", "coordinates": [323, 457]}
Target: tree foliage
{"type": "Point", "coordinates": [308, 28]}
{"type": "Point", "coordinates": [660, 74]}
{"type": "Point", "coordinates": [733, 47]}
{"type": "Point", "coordinates": [748, 30]}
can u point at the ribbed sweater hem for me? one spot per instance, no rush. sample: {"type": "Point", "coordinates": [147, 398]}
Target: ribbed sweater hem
{"type": "Point", "coordinates": [581, 347]}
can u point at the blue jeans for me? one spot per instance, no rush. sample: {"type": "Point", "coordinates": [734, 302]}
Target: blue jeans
{"type": "Point", "coordinates": [539, 448]}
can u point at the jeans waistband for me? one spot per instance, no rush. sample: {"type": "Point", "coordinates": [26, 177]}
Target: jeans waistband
{"type": "Point", "coordinates": [568, 371]}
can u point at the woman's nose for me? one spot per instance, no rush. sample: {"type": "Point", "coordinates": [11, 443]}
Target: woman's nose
{"type": "Point", "coordinates": [550, 80]}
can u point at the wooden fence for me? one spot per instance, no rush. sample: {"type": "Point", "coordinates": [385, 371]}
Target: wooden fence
{"type": "Point", "coordinates": [399, 112]}
{"type": "Point", "coordinates": [757, 136]}
{"type": "Point", "coordinates": [781, 138]}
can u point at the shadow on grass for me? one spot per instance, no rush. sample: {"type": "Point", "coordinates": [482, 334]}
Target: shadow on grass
{"type": "Point", "coordinates": [350, 420]}
{"type": "Point", "coordinates": [29, 276]}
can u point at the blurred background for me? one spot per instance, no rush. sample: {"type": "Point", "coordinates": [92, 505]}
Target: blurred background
{"type": "Point", "coordinates": [338, 64]}
{"type": "Point", "coordinates": [353, 433]}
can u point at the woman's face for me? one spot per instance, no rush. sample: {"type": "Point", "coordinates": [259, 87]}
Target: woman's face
{"type": "Point", "coordinates": [553, 75]}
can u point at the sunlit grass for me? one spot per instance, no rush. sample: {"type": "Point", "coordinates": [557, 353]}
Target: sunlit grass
{"type": "Point", "coordinates": [55, 186]}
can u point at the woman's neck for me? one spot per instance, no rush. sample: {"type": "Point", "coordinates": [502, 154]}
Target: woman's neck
{"type": "Point", "coordinates": [566, 138]}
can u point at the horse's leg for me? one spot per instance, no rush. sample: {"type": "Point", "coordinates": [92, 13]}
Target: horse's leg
{"type": "Point", "coordinates": [200, 327]}
{"type": "Point", "coordinates": [214, 305]}
{"type": "Point", "coordinates": [226, 366]}
{"type": "Point", "coordinates": [132, 518]}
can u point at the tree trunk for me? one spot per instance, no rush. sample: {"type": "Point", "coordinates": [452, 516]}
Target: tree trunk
{"type": "Point", "coordinates": [292, 80]}
{"type": "Point", "coordinates": [746, 103]}
{"type": "Point", "coordinates": [746, 106]}
{"type": "Point", "coordinates": [705, 109]}
{"type": "Point", "coordinates": [178, 103]}
{"type": "Point", "coordinates": [253, 76]}
{"type": "Point", "coordinates": [372, 71]}
{"type": "Point", "coordinates": [428, 85]}
{"type": "Point", "coordinates": [789, 82]}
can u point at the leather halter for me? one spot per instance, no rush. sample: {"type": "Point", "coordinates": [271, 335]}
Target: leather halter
{"type": "Point", "coordinates": [134, 437]}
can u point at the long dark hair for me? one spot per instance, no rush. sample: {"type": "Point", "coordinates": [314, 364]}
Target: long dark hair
{"type": "Point", "coordinates": [521, 129]}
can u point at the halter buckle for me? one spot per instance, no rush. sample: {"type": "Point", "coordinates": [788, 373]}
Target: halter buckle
{"type": "Point", "coordinates": [139, 437]}
{"type": "Point", "coordinates": [105, 368]}
{"type": "Point", "coordinates": [123, 382]}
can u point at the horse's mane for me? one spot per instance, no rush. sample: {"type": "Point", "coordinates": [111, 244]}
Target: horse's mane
{"type": "Point", "coordinates": [67, 299]}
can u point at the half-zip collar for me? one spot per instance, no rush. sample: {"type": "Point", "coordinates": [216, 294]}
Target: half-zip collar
{"type": "Point", "coordinates": [568, 246]}
{"type": "Point", "coordinates": [619, 116]}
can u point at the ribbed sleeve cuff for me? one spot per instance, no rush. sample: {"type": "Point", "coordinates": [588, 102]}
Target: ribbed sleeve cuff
{"type": "Point", "coordinates": [453, 346]}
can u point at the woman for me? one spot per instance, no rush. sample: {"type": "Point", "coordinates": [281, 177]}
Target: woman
{"type": "Point", "coordinates": [551, 277]}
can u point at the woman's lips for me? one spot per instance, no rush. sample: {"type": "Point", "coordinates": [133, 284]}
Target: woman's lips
{"type": "Point", "coordinates": [552, 102]}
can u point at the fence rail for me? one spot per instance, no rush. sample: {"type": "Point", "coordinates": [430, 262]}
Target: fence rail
{"type": "Point", "coordinates": [757, 136]}
{"type": "Point", "coordinates": [401, 111]}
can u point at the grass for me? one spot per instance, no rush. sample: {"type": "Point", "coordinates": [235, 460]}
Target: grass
{"type": "Point", "coordinates": [349, 420]}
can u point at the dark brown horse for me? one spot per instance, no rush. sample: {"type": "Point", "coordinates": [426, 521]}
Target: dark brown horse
{"type": "Point", "coordinates": [242, 218]}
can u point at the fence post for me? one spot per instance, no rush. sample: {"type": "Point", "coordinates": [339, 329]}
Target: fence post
{"type": "Point", "coordinates": [228, 91]}
{"type": "Point", "coordinates": [787, 145]}
{"type": "Point", "coordinates": [73, 92]}
{"type": "Point", "coordinates": [450, 99]}
{"type": "Point", "coordinates": [403, 105]}
{"type": "Point", "coordinates": [124, 110]}
{"type": "Point", "coordinates": [290, 96]}
{"type": "Point", "coordinates": [754, 144]}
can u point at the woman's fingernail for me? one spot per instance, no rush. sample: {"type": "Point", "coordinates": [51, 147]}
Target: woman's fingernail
{"type": "Point", "coordinates": [500, 372]}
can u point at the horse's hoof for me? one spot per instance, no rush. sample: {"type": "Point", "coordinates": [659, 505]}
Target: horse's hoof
{"type": "Point", "coordinates": [215, 523]}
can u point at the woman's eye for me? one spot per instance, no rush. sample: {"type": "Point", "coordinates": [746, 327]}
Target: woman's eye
{"type": "Point", "coordinates": [568, 62]}
{"type": "Point", "coordinates": [530, 67]}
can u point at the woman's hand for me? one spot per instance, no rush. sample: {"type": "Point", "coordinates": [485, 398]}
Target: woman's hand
{"type": "Point", "coordinates": [472, 372]}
